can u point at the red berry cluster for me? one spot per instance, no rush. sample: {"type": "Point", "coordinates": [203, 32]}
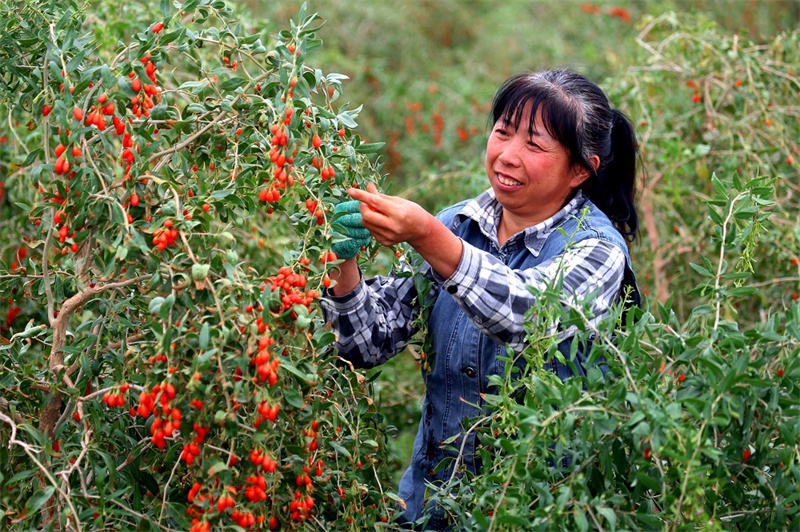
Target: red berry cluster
{"type": "Point", "coordinates": [326, 172]}
{"type": "Point", "coordinates": [266, 368]}
{"type": "Point", "coordinates": [270, 195]}
{"type": "Point", "coordinates": [314, 208]}
{"type": "Point", "coordinates": [64, 233]}
{"type": "Point", "coordinates": [292, 287]}
{"type": "Point", "coordinates": [13, 312]}
{"type": "Point", "coordinates": [328, 256]}
{"type": "Point", "coordinates": [267, 413]}
{"type": "Point", "coordinates": [256, 489]}
{"type": "Point", "coordinates": [301, 507]}
{"type": "Point", "coordinates": [696, 94]}
{"type": "Point", "coordinates": [62, 164]}
{"type": "Point", "coordinates": [262, 460]}
{"type": "Point", "coordinates": [312, 435]}
{"type": "Point", "coordinates": [189, 453]}
{"type": "Point", "coordinates": [97, 111]}
{"type": "Point", "coordinates": [243, 519]}
{"type": "Point", "coordinates": [165, 236]}
{"type": "Point", "coordinates": [279, 153]}
{"type": "Point", "coordinates": [225, 502]}
{"type": "Point", "coordinates": [142, 106]}
{"type": "Point", "coordinates": [116, 399]}
{"type": "Point", "coordinates": [169, 418]}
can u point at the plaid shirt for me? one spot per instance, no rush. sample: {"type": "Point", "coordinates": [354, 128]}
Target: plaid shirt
{"type": "Point", "coordinates": [374, 321]}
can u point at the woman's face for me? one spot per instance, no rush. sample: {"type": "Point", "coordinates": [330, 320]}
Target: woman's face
{"type": "Point", "coordinates": [530, 174]}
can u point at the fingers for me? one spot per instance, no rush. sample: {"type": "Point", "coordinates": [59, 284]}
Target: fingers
{"type": "Point", "coordinates": [359, 233]}
{"type": "Point", "coordinates": [350, 220]}
{"type": "Point", "coordinates": [371, 197]}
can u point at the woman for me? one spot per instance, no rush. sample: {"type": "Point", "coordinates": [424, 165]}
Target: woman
{"type": "Point", "coordinates": [556, 150]}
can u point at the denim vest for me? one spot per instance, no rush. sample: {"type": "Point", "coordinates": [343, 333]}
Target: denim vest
{"type": "Point", "coordinates": [464, 357]}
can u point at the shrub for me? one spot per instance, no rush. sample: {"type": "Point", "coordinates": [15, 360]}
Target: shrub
{"type": "Point", "coordinates": [167, 211]}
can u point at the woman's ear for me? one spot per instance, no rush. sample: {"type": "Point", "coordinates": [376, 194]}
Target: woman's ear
{"type": "Point", "coordinates": [594, 160]}
{"type": "Point", "coordinates": [581, 174]}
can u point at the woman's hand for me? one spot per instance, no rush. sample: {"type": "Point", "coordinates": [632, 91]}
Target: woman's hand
{"type": "Point", "coordinates": [392, 220]}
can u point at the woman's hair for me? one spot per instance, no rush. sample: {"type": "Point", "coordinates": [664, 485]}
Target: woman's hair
{"type": "Point", "coordinates": [576, 112]}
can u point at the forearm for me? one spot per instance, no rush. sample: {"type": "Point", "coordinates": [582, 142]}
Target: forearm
{"type": "Point", "coordinates": [439, 247]}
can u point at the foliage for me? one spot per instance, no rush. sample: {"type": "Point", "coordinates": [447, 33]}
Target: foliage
{"type": "Point", "coordinates": [706, 101]}
{"type": "Point", "coordinates": [168, 204]}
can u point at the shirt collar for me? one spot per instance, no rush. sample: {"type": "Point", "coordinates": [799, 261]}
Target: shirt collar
{"type": "Point", "coordinates": [485, 211]}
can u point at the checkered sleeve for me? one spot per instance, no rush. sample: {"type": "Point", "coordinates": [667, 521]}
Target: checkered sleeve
{"type": "Point", "coordinates": [375, 320]}
{"type": "Point", "coordinates": [496, 298]}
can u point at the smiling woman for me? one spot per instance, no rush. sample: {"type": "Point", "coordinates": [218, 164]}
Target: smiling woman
{"type": "Point", "coordinates": [561, 164]}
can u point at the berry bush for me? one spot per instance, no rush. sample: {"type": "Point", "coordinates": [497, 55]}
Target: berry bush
{"type": "Point", "coordinates": [167, 201]}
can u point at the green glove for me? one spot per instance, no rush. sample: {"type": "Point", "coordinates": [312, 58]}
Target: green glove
{"type": "Point", "coordinates": [349, 219]}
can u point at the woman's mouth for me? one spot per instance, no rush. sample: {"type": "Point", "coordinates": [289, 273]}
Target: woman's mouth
{"type": "Point", "coordinates": [506, 181]}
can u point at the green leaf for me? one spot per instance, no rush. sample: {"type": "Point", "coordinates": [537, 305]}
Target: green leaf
{"type": "Point", "coordinates": [297, 373]}
{"type": "Point", "coordinates": [217, 467]}
{"type": "Point", "coordinates": [610, 516]}
{"type": "Point", "coordinates": [232, 83]}
{"type": "Point", "coordinates": [347, 120]}
{"type": "Point", "coordinates": [204, 336]}
{"type": "Point", "coordinates": [32, 156]}
{"type": "Point", "coordinates": [224, 193]}
{"type": "Point", "coordinates": [743, 291]}
{"type": "Point", "coordinates": [29, 332]}
{"type": "Point", "coordinates": [293, 397]}
{"type": "Point", "coordinates": [370, 148]}
{"type": "Point", "coordinates": [340, 450]}
{"type": "Point", "coordinates": [719, 187]}
{"type": "Point", "coordinates": [39, 499]}
{"type": "Point", "coordinates": [323, 338]}
{"type": "Point", "coordinates": [155, 305]}
{"type": "Point", "coordinates": [580, 520]}
{"type": "Point", "coordinates": [699, 269]}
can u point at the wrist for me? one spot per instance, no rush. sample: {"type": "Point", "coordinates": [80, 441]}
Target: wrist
{"type": "Point", "coordinates": [426, 232]}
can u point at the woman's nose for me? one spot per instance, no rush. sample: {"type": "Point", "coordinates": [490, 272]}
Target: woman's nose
{"type": "Point", "coordinates": [509, 155]}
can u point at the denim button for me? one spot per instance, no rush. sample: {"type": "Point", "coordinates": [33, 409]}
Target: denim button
{"type": "Point", "coordinates": [470, 372]}
{"type": "Point", "coordinates": [452, 289]}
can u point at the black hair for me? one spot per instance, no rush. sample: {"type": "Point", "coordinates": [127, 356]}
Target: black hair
{"type": "Point", "coordinates": [577, 113]}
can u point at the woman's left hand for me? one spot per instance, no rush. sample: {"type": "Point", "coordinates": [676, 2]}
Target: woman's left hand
{"type": "Point", "coordinates": [391, 219]}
